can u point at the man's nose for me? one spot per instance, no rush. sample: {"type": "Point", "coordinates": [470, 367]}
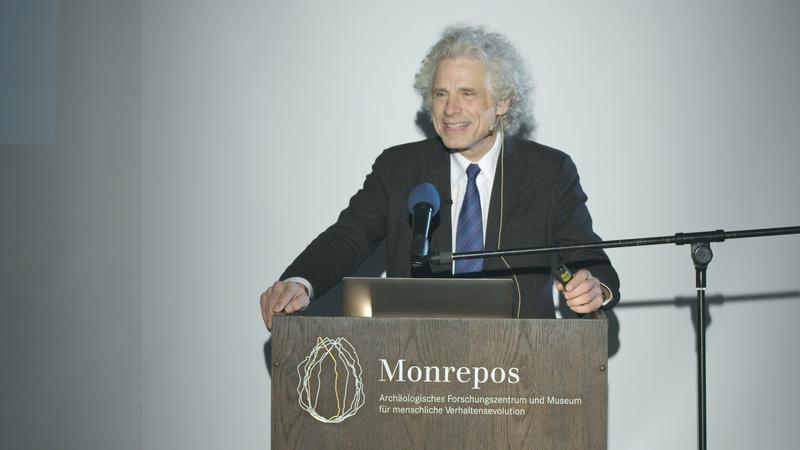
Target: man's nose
{"type": "Point", "coordinates": [452, 107]}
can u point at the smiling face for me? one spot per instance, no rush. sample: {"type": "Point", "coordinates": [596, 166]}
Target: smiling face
{"type": "Point", "coordinates": [463, 107]}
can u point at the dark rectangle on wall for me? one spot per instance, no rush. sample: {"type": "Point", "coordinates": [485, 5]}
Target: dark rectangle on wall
{"type": "Point", "coordinates": [28, 55]}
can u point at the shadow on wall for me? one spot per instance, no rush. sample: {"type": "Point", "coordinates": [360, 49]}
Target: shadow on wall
{"type": "Point", "coordinates": [711, 300]}
{"type": "Point", "coordinates": [425, 125]}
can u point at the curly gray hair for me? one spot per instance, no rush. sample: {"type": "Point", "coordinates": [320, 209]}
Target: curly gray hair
{"type": "Point", "coordinates": [506, 71]}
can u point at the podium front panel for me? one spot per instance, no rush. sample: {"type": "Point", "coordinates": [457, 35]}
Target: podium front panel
{"type": "Point", "coordinates": [438, 383]}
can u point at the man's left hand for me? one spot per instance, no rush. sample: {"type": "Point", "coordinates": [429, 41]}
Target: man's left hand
{"type": "Point", "coordinates": [583, 292]}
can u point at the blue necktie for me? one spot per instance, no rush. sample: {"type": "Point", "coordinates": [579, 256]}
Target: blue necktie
{"type": "Point", "coordinates": [469, 237]}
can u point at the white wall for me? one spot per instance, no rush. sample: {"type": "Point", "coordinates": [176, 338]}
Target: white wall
{"type": "Point", "coordinates": [260, 119]}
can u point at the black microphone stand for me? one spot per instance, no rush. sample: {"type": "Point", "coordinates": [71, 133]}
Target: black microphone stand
{"type": "Point", "coordinates": [701, 255]}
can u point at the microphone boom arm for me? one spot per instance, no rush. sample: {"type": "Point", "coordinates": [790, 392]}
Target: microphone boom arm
{"type": "Point", "coordinates": [446, 257]}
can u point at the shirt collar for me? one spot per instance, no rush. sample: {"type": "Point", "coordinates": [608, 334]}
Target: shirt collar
{"type": "Point", "coordinates": [488, 163]}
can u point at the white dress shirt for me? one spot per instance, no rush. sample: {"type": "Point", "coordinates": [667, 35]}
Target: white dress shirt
{"type": "Point", "coordinates": [484, 180]}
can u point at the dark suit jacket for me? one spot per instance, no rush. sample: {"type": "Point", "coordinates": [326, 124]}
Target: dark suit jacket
{"type": "Point", "coordinates": [536, 187]}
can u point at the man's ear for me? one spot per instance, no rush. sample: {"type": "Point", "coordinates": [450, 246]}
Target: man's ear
{"type": "Point", "coordinates": [502, 106]}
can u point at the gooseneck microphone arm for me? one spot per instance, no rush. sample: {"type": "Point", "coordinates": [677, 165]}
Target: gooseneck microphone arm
{"type": "Point", "coordinates": [701, 255]}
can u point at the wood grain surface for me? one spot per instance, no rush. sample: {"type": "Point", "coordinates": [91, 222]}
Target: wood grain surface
{"type": "Point", "coordinates": [561, 389]}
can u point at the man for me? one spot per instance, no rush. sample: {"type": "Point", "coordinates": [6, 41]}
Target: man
{"type": "Point", "coordinates": [499, 191]}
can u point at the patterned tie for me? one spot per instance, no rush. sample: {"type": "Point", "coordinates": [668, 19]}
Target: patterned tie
{"type": "Point", "coordinates": [469, 236]}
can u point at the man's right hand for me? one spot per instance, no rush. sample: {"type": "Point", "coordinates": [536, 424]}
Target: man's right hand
{"type": "Point", "coordinates": [283, 297]}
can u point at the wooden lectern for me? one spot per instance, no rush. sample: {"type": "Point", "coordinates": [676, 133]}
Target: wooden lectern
{"type": "Point", "coordinates": [397, 383]}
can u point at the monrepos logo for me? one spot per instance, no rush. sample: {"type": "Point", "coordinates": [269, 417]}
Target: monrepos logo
{"type": "Point", "coordinates": [330, 381]}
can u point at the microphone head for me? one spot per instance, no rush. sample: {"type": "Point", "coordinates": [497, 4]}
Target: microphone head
{"type": "Point", "coordinates": [424, 193]}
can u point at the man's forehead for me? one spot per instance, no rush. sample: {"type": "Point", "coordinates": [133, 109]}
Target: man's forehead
{"type": "Point", "coordinates": [464, 71]}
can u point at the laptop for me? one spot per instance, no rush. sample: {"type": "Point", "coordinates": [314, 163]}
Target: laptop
{"type": "Point", "coordinates": [427, 297]}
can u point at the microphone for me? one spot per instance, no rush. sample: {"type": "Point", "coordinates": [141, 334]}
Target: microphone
{"type": "Point", "coordinates": [423, 204]}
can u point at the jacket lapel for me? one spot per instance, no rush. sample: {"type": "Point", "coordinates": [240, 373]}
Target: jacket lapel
{"type": "Point", "coordinates": [438, 174]}
{"type": "Point", "coordinates": [508, 178]}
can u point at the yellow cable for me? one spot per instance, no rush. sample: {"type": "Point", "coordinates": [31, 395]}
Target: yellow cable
{"type": "Point", "coordinates": [336, 382]}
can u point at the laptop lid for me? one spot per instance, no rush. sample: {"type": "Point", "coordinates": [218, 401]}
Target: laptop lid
{"type": "Point", "coordinates": [427, 297]}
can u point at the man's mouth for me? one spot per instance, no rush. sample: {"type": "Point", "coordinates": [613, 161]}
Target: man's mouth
{"type": "Point", "coordinates": [456, 125]}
